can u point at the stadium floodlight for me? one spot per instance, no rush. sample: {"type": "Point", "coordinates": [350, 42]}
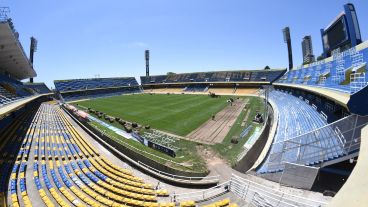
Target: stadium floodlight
{"type": "Point", "coordinates": [34, 43]}
{"type": "Point", "coordinates": [287, 40]}
{"type": "Point", "coordinates": [147, 56]}
{"type": "Point", "coordinates": [32, 50]}
{"type": "Point", "coordinates": [146, 52]}
{"type": "Point", "coordinates": [286, 32]}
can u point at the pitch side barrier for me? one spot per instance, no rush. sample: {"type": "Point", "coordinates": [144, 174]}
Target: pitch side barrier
{"type": "Point", "coordinates": [184, 178]}
{"type": "Point", "coordinates": [249, 157]}
{"type": "Point", "coordinates": [252, 193]}
{"type": "Point", "coordinates": [177, 180]}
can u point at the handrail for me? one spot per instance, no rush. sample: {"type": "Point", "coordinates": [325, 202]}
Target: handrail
{"type": "Point", "coordinates": [202, 194]}
{"type": "Point", "coordinates": [250, 192]}
{"type": "Point", "coordinates": [265, 195]}
{"type": "Point", "coordinates": [277, 193]}
{"type": "Point", "coordinates": [181, 177]}
{"type": "Point", "coordinates": [313, 130]}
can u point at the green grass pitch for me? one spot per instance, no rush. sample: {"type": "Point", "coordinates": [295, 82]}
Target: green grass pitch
{"type": "Point", "coordinates": [178, 114]}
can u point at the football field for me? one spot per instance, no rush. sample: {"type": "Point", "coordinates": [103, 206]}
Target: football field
{"type": "Point", "coordinates": [178, 114]}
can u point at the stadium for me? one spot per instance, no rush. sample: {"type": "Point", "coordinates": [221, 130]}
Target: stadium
{"type": "Point", "coordinates": [267, 137]}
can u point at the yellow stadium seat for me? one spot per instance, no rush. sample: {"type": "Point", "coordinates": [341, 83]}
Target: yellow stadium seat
{"type": "Point", "coordinates": [187, 204]}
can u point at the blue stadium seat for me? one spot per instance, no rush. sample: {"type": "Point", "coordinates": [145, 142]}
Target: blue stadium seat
{"type": "Point", "coordinates": [297, 118]}
{"type": "Point", "coordinates": [39, 88]}
{"type": "Point", "coordinates": [221, 76]}
{"type": "Point", "coordinates": [96, 87]}
{"type": "Point", "coordinates": [346, 72]}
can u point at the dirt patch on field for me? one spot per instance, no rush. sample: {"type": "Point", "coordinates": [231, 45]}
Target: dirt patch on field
{"type": "Point", "coordinates": [211, 157]}
{"type": "Point", "coordinates": [215, 164]}
{"type": "Point", "coordinates": [214, 131]}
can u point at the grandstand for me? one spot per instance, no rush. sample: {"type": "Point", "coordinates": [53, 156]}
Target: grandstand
{"type": "Point", "coordinates": [263, 76]}
{"type": "Point", "coordinates": [12, 90]}
{"type": "Point", "coordinates": [53, 153]}
{"type": "Point", "coordinates": [303, 136]}
{"type": "Point", "coordinates": [341, 77]}
{"type": "Point", "coordinates": [225, 82]}
{"type": "Point", "coordinates": [344, 72]}
{"type": "Point", "coordinates": [39, 88]}
{"type": "Point", "coordinates": [96, 87]}
{"type": "Point", "coordinates": [329, 93]}
{"type": "Point", "coordinates": [87, 173]}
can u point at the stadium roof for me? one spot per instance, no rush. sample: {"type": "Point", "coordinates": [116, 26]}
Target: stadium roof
{"type": "Point", "coordinates": [223, 71]}
{"type": "Point", "coordinates": [13, 59]}
{"type": "Point", "coordinates": [74, 79]}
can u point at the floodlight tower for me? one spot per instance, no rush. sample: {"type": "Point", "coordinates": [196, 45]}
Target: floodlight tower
{"type": "Point", "coordinates": [147, 62]}
{"type": "Point", "coordinates": [287, 40]}
{"type": "Point", "coordinates": [33, 49]}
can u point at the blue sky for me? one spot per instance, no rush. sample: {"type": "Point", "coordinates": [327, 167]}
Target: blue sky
{"type": "Point", "coordinates": [80, 39]}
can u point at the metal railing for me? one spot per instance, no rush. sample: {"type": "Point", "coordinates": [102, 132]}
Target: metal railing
{"type": "Point", "coordinates": [138, 150]}
{"type": "Point", "coordinates": [255, 194]}
{"type": "Point", "coordinates": [209, 179]}
{"type": "Point", "coordinates": [324, 144]}
{"type": "Point", "coordinates": [357, 82]}
{"type": "Point", "coordinates": [252, 193]}
{"type": "Point", "coordinates": [202, 195]}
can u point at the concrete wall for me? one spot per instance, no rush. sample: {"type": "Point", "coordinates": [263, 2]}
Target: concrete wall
{"type": "Point", "coordinates": [252, 155]}
{"type": "Point", "coordinates": [299, 176]}
{"type": "Point", "coordinates": [355, 190]}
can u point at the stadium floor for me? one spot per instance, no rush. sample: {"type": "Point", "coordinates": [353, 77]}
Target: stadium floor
{"type": "Point", "coordinates": [214, 131]}
{"type": "Point", "coordinates": [178, 114]}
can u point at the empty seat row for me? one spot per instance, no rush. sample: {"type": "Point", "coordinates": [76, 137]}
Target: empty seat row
{"type": "Point", "coordinates": [58, 138]}
{"type": "Point", "coordinates": [39, 88]}
{"type": "Point", "coordinates": [345, 72]}
{"type": "Point", "coordinates": [221, 76]}
{"type": "Point", "coordinates": [45, 159]}
{"type": "Point", "coordinates": [94, 83]}
{"type": "Point", "coordinates": [291, 142]}
{"type": "Point", "coordinates": [99, 93]}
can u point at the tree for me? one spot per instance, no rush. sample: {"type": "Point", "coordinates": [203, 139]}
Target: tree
{"type": "Point", "coordinates": [170, 73]}
{"type": "Point", "coordinates": [267, 67]}
{"type": "Point", "coordinates": [320, 58]}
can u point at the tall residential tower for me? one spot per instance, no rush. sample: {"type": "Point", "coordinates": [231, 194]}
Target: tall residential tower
{"type": "Point", "coordinates": [307, 50]}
